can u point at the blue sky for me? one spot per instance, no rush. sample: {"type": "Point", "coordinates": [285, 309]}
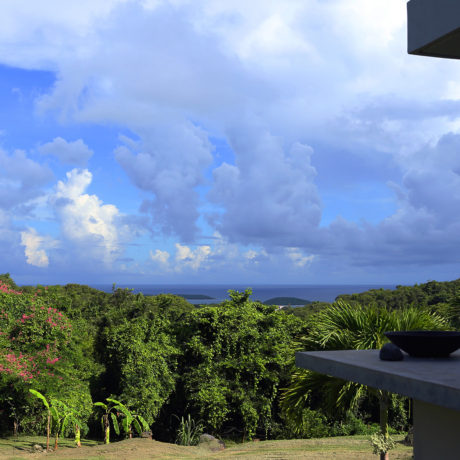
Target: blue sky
{"type": "Point", "coordinates": [214, 141]}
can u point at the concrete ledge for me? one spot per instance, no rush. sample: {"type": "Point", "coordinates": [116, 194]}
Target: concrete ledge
{"type": "Point", "coordinates": [433, 28]}
{"type": "Point", "coordinates": [432, 380]}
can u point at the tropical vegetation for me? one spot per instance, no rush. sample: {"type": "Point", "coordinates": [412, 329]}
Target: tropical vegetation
{"type": "Point", "coordinates": [343, 326]}
{"type": "Point", "coordinates": [78, 361]}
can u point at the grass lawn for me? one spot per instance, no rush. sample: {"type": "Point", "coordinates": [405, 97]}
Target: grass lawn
{"type": "Point", "coordinates": [347, 447]}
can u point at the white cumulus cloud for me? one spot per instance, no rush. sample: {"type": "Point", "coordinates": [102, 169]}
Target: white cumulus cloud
{"type": "Point", "coordinates": [35, 246]}
{"type": "Point", "coordinates": [189, 258]}
{"type": "Point", "coordinates": [160, 256]}
{"type": "Point", "coordinates": [85, 220]}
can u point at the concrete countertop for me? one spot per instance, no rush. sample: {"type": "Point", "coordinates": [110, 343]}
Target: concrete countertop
{"type": "Point", "coordinates": [433, 380]}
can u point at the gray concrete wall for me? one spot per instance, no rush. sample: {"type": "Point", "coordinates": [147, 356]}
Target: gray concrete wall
{"type": "Point", "coordinates": [436, 432]}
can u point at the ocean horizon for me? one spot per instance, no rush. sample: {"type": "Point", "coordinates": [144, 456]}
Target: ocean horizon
{"type": "Point", "coordinates": [219, 292]}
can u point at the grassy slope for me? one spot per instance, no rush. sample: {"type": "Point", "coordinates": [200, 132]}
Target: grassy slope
{"type": "Point", "coordinates": [353, 447]}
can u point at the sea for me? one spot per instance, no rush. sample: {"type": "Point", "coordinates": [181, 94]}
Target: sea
{"type": "Point", "coordinates": [219, 293]}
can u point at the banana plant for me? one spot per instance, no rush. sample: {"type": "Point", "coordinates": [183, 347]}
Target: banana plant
{"type": "Point", "coordinates": [105, 419]}
{"type": "Point", "coordinates": [63, 415]}
{"type": "Point", "coordinates": [71, 418]}
{"type": "Point", "coordinates": [47, 405]}
{"type": "Point", "coordinates": [129, 419]}
{"type": "Point", "coordinates": [57, 417]}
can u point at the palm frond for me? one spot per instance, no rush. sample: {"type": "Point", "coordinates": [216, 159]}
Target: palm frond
{"type": "Point", "coordinates": [343, 326]}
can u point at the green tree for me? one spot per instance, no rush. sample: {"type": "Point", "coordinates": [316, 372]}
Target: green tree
{"type": "Point", "coordinates": [343, 326]}
{"type": "Point", "coordinates": [236, 357]}
{"type": "Point", "coordinates": [140, 354]}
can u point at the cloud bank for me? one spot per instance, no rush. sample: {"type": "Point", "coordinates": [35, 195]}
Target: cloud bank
{"type": "Point", "coordinates": [300, 133]}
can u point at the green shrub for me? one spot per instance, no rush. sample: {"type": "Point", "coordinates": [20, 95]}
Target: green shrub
{"type": "Point", "coordinates": [351, 425]}
{"type": "Point", "coordinates": [312, 424]}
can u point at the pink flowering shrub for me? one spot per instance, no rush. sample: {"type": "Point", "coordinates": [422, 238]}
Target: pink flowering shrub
{"type": "Point", "coordinates": [37, 351]}
{"type": "Point", "coordinates": [7, 289]}
{"type": "Point", "coordinates": [32, 336]}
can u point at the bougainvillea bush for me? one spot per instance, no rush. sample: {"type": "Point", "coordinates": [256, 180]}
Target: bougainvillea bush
{"type": "Point", "coordinates": [34, 347]}
{"type": "Point", "coordinates": [33, 336]}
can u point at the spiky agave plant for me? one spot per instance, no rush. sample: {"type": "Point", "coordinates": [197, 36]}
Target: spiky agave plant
{"type": "Point", "coordinates": [189, 431]}
{"type": "Point", "coordinates": [343, 327]}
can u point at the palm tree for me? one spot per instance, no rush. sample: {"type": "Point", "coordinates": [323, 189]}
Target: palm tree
{"type": "Point", "coordinates": [343, 327]}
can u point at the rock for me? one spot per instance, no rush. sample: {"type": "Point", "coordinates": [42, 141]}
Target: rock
{"type": "Point", "coordinates": [38, 448]}
{"type": "Point", "coordinates": [146, 434]}
{"type": "Point", "coordinates": [390, 352]}
{"type": "Point", "coordinates": [210, 442]}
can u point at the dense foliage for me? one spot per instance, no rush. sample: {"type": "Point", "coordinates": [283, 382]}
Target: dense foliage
{"type": "Point", "coordinates": [441, 296]}
{"type": "Point", "coordinates": [161, 356]}
{"type": "Point", "coordinates": [238, 355]}
{"type": "Point", "coordinates": [222, 368]}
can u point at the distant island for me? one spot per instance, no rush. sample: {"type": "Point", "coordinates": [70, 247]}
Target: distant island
{"type": "Point", "coordinates": [286, 301]}
{"type": "Point", "coordinates": [196, 296]}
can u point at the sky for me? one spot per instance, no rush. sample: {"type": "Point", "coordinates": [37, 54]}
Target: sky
{"type": "Point", "coordinates": [218, 141]}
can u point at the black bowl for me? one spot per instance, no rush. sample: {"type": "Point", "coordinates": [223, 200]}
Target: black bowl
{"type": "Point", "coordinates": [426, 344]}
